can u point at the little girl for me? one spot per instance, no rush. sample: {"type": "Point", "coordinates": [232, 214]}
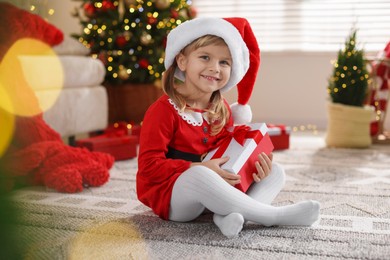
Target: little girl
{"type": "Point", "coordinates": [204, 57]}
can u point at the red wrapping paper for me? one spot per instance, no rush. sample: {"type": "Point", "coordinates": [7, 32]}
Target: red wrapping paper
{"type": "Point", "coordinates": [121, 147]}
{"type": "Point", "coordinates": [280, 136]}
{"type": "Point", "coordinates": [243, 147]}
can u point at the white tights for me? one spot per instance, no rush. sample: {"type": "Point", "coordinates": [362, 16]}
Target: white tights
{"type": "Point", "coordinates": [199, 188]}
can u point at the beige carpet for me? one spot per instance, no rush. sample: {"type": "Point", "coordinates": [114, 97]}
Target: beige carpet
{"type": "Point", "coordinates": [353, 187]}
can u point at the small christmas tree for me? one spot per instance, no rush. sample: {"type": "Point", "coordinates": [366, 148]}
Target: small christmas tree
{"type": "Point", "coordinates": [129, 35]}
{"type": "Point", "coordinates": [349, 83]}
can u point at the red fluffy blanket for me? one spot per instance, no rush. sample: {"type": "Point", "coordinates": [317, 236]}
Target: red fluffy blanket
{"type": "Point", "coordinates": [36, 152]}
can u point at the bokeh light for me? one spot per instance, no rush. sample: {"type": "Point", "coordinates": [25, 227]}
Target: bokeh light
{"type": "Point", "coordinates": [6, 121]}
{"type": "Point", "coordinates": [27, 67]}
{"type": "Point", "coordinates": [111, 240]}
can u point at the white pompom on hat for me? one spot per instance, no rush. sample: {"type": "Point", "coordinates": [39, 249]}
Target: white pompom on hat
{"type": "Point", "coordinates": [243, 46]}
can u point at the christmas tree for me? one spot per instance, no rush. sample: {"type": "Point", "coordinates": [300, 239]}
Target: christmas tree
{"type": "Point", "coordinates": [349, 83]}
{"type": "Point", "coordinates": [129, 36]}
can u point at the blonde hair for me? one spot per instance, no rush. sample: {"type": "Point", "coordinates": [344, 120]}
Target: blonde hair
{"type": "Point", "coordinates": [218, 114]}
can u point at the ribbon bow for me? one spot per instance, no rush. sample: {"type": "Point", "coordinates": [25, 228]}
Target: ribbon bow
{"type": "Point", "coordinates": [239, 133]}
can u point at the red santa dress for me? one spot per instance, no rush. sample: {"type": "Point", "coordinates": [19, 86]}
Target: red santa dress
{"type": "Point", "coordinates": [169, 141]}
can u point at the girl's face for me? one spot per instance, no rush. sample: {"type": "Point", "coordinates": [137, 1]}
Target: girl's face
{"type": "Point", "coordinates": [207, 68]}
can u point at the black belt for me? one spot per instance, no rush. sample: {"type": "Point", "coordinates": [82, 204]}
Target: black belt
{"type": "Point", "coordinates": [176, 154]}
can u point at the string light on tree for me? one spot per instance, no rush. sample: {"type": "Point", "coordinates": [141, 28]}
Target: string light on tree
{"type": "Point", "coordinates": [350, 78]}
{"type": "Point", "coordinates": [132, 33]}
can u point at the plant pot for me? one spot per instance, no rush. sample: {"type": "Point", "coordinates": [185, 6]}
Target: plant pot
{"type": "Point", "coordinates": [129, 102]}
{"type": "Point", "coordinates": [348, 126]}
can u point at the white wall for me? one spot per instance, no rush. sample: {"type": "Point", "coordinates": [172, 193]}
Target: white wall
{"type": "Point", "coordinates": [62, 17]}
{"type": "Point", "coordinates": [290, 89]}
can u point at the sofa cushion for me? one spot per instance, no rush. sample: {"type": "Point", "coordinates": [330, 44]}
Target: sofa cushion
{"type": "Point", "coordinates": [78, 71]}
{"type": "Point", "coordinates": [71, 46]}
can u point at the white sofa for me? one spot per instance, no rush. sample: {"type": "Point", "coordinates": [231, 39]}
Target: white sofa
{"type": "Point", "coordinates": [81, 106]}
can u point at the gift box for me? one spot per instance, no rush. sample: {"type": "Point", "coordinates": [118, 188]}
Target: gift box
{"type": "Point", "coordinates": [121, 147]}
{"type": "Point", "coordinates": [280, 136]}
{"type": "Point", "coordinates": [243, 147]}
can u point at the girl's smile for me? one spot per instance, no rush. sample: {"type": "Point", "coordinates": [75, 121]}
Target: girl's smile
{"type": "Point", "coordinates": [211, 78]}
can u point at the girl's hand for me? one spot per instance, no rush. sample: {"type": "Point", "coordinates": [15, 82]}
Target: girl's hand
{"type": "Point", "coordinates": [215, 165]}
{"type": "Point", "coordinates": [263, 166]}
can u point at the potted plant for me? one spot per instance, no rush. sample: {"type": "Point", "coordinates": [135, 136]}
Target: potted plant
{"type": "Point", "coordinates": [348, 117]}
{"type": "Point", "coordinates": [129, 36]}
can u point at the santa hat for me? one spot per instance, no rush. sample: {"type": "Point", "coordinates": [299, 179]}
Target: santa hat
{"type": "Point", "coordinates": [245, 52]}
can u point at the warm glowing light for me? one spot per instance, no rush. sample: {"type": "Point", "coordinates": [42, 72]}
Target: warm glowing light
{"type": "Point", "coordinates": [27, 67]}
{"type": "Point", "coordinates": [102, 242]}
{"type": "Point", "coordinates": [306, 128]}
{"type": "Point", "coordinates": [6, 121]}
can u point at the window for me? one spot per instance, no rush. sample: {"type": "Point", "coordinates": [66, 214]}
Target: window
{"type": "Point", "coordinates": [308, 25]}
